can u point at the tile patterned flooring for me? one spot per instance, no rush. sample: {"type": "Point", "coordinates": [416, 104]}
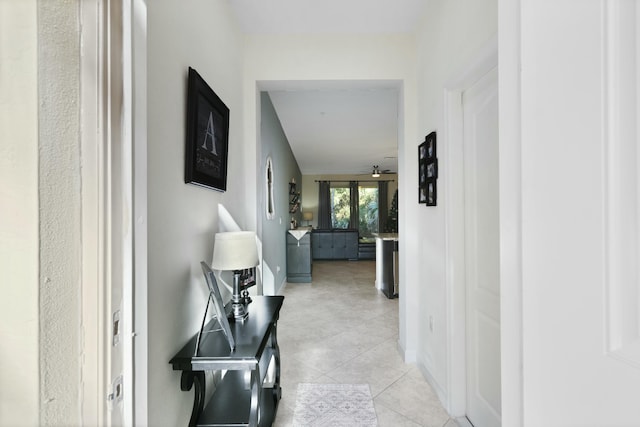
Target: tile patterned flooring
{"type": "Point", "coordinates": [340, 329]}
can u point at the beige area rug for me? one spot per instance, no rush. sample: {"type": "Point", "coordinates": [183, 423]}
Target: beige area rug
{"type": "Point", "coordinates": [335, 405]}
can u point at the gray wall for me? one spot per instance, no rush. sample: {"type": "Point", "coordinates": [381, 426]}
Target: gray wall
{"type": "Point", "coordinates": [274, 143]}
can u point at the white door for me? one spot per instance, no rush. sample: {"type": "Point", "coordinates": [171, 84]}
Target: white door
{"type": "Point", "coordinates": [482, 252]}
{"type": "Point", "coordinates": [573, 300]}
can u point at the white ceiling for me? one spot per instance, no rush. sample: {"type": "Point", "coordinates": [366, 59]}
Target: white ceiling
{"type": "Point", "coordinates": [337, 127]}
{"type": "Point", "coordinates": [328, 16]}
{"type": "Point", "coordinates": [340, 131]}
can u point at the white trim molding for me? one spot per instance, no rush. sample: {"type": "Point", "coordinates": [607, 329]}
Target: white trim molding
{"type": "Point", "coordinates": [113, 145]}
{"type": "Point", "coordinates": [510, 158]}
{"type": "Point", "coordinates": [485, 61]}
{"type": "Point", "coordinates": [621, 176]}
{"type": "Point", "coordinates": [93, 381]}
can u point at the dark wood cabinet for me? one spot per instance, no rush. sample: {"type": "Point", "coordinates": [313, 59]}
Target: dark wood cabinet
{"type": "Point", "coordinates": [339, 241]}
{"type": "Point", "coordinates": [322, 245]}
{"type": "Point", "coordinates": [334, 244]}
{"type": "Point", "coordinates": [299, 259]}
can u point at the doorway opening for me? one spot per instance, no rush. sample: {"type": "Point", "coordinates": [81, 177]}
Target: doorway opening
{"type": "Point", "coordinates": [272, 230]}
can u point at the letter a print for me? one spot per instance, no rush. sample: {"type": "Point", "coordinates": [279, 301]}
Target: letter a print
{"type": "Point", "coordinates": [209, 136]}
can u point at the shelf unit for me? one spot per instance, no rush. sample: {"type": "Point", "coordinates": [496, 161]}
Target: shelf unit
{"type": "Point", "coordinates": [294, 198]}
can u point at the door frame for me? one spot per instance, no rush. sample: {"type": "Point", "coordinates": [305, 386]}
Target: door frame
{"type": "Point", "coordinates": [113, 186]}
{"type": "Point", "coordinates": [486, 59]}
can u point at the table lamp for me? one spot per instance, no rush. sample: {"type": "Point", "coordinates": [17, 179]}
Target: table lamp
{"type": "Point", "coordinates": [307, 216]}
{"type": "Point", "coordinates": [235, 251]}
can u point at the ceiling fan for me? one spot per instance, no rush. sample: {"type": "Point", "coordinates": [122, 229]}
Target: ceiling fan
{"type": "Point", "coordinates": [376, 172]}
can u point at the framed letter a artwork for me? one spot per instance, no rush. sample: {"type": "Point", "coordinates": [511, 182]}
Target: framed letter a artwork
{"type": "Point", "coordinates": [207, 135]}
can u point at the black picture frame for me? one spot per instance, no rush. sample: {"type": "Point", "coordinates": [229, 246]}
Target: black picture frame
{"type": "Point", "coordinates": [431, 169]}
{"type": "Point", "coordinates": [422, 194]}
{"type": "Point", "coordinates": [428, 171]}
{"type": "Point", "coordinates": [431, 146]}
{"type": "Point", "coordinates": [422, 151]}
{"type": "Point", "coordinates": [431, 193]}
{"type": "Point", "coordinates": [422, 173]}
{"type": "Point", "coordinates": [207, 140]}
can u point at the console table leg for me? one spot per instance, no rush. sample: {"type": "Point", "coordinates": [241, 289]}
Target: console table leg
{"type": "Point", "coordinates": [255, 397]}
{"type": "Point", "coordinates": [276, 354]}
{"type": "Point", "coordinates": [187, 380]}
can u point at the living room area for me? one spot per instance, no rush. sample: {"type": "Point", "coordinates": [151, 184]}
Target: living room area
{"type": "Point", "coordinates": [324, 212]}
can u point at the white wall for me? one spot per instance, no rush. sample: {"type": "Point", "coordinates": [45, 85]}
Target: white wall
{"type": "Point", "coordinates": [349, 57]}
{"type": "Point", "coordinates": [510, 212]}
{"type": "Point", "coordinates": [40, 226]}
{"type": "Point", "coordinates": [19, 367]}
{"type": "Point", "coordinates": [60, 213]}
{"type": "Point", "coordinates": [182, 218]}
{"type": "Point", "coordinates": [452, 34]}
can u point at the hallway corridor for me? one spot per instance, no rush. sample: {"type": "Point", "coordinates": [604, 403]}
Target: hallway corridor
{"type": "Point", "coordinates": [340, 329]}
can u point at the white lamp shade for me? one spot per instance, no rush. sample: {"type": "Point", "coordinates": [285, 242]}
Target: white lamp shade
{"type": "Point", "coordinates": [235, 250]}
{"type": "Point", "coordinates": [307, 216]}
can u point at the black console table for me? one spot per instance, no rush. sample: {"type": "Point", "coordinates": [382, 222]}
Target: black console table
{"type": "Point", "coordinates": [239, 399]}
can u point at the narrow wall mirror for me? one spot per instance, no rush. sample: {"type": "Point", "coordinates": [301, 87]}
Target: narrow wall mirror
{"type": "Point", "coordinates": [270, 204]}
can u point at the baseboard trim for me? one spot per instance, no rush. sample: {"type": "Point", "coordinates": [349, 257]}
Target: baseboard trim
{"type": "Point", "coordinates": [282, 286]}
{"type": "Point", "coordinates": [440, 392]}
{"type": "Point", "coordinates": [462, 422]}
{"type": "Point", "coordinates": [409, 356]}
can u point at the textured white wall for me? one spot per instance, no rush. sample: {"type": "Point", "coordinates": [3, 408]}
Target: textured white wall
{"type": "Point", "coordinates": [451, 36]}
{"type": "Point", "coordinates": [40, 179]}
{"type": "Point", "coordinates": [19, 369]}
{"type": "Point", "coordinates": [182, 218]}
{"type": "Point", "coordinates": [60, 220]}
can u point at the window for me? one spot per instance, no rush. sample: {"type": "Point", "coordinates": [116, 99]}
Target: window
{"type": "Point", "coordinates": [340, 207]}
{"type": "Point", "coordinates": [367, 208]}
{"type": "Point", "coordinates": [368, 211]}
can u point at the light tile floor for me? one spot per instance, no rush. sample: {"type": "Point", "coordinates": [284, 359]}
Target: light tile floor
{"type": "Point", "coordinates": [340, 329]}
